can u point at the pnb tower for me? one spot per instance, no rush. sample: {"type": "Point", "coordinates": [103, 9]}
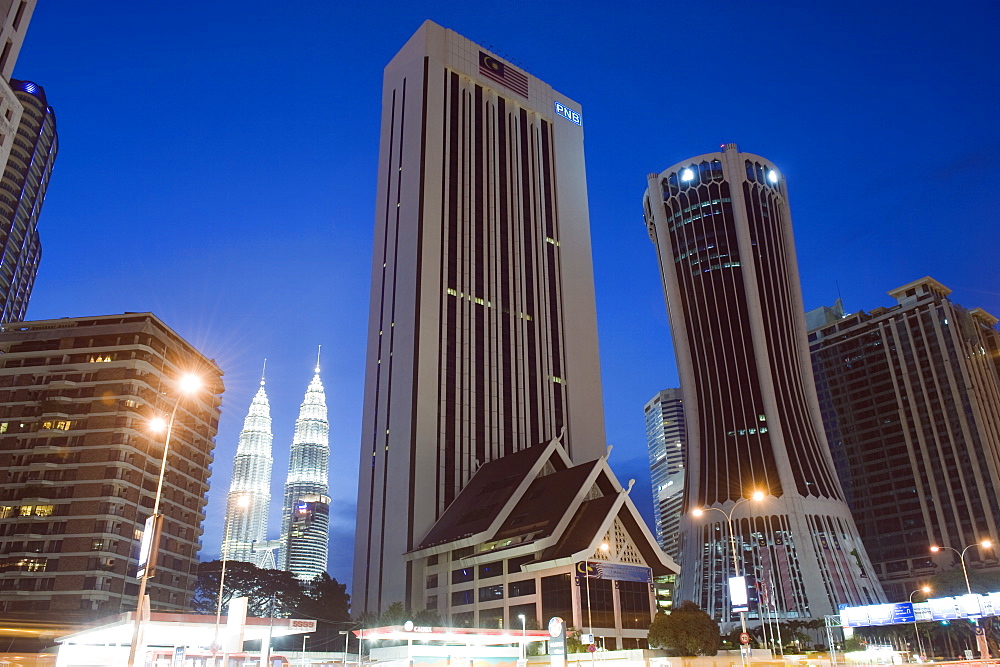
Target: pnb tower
{"type": "Point", "coordinates": [482, 336]}
{"type": "Point", "coordinates": [723, 233]}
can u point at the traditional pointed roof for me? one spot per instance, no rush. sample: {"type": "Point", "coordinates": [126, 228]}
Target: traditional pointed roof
{"type": "Point", "coordinates": [537, 497]}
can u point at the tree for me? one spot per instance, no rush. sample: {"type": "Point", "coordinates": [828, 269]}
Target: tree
{"type": "Point", "coordinates": [686, 631]}
{"type": "Point", "coordinates": [269, 592]}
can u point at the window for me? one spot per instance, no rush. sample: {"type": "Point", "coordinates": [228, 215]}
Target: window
{"type": "Point", "coordinates": [487, 570]}
{"type": "Point", "coordinates": [463, 575]}
{"type": "Point", "coordinates": [634, 599]}
{"type": "Point", "coordinates": [490, 593]}
{"type": "Point", "coordinates": [462, 597]}
{"type": "Point", "coordinates": [432, 581]}
{"type": "Point", "coordinates": [519, 588]}
{"type": "Point", "coordinates": [557, 596]}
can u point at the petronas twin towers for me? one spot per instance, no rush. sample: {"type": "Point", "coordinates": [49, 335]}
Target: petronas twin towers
{"type": "Point", "coordinates": [305, 514]}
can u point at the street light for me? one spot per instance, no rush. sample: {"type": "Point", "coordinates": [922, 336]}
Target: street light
{"type": "Point", "coordinates": [586, 571]}
{"type": "Point", "coordinates": [242, 501]}
{"type": "Point", "coordinates": [524, 634]}
{"type": "Point", "coordinates": [757, 496]}
{"type": "Point", "coordinates": [920, 646]}
{"type": "Point", "coordinates": [984, 647]}
{"type": "Point", "coordinates": [186, 385]}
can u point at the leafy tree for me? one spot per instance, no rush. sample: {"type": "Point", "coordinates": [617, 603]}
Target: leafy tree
{"type": "Point", "coordinates": [327, 602]}
{"type": "Point", "coordinates": [268, 591]}
{"type": "Point", "coordinates": [686, 631]}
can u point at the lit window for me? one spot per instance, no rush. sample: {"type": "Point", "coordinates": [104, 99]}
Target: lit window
{"type": "Point", "coordinates": [761, 418]}
{"type": "Point", "coordinates": [687, 175]}
{"type": "Point", "coordinates": [3, 427]}
{"type": "Point", "coordinates": [26, 510]}
{"type": "Point", "coordinates": [44, 510]}
{"type": "Point", "coordinates": [6, 511]}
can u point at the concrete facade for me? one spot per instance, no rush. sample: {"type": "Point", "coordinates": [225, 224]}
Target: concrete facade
{"type": "Point", "coordinates": [723, 234]}
{"type": "Point", "coordinates": [482, 328]}
{"type": "Point", "coordinates": [80, 466]}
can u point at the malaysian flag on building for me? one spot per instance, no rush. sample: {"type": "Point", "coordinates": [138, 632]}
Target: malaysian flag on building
{"type": "Point", "coordinates": [506, 76]}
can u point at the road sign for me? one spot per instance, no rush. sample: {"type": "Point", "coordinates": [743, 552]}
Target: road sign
{"type": "Point", "coordinates": [744, 638]}
{"type": "Point", "coordinates": [591, 648]}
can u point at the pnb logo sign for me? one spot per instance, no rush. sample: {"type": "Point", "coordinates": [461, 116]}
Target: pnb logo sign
{"type": "Point", "coordinates": [568, 114]}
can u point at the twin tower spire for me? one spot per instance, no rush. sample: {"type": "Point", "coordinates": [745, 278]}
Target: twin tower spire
{"type": "Point", "coordinates": [305, 515]}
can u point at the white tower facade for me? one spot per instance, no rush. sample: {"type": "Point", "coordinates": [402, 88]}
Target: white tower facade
{"type": "Point", "coordinates": [249, 498]}
{"type": "Point", "coordinates": [305, 525]}
{"type": "Point", "coordinates": [482, 335]}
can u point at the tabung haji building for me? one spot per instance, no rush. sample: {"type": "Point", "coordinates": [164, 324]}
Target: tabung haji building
{"type": "Point", "coordinates": [722, 229]}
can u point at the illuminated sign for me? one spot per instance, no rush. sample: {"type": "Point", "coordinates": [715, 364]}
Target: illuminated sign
{"type": "Point", "coordinates": [936, 609]}
{"type": "Point", "coordinates": [599, 570]}
{"type": "Point", "coordinates": [738, 594]}
{"type": "Point", "coordinates": [568, 114]}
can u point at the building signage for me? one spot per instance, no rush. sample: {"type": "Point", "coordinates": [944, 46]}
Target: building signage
{"type": "Point", "coordinates": [568, 114]}
{"type": "Point", "coordinates": [934, 609]}
{"type": "Point", "coordinates": [598, 570]}
{"type": "Point", "coordinates": [557, 642]}
{"type": "Point", "coordinates": [738, 594]}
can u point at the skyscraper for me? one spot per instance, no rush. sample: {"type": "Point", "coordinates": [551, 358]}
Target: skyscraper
{"type": "Point", "coordinates": [723, 233]}
{"type": "Point", "coordinates": [249, 498]}
{"type": "Point", "coordinates": [26, 177]}
{"type": "Point", "coordinates": [665, 439]}
{"type": "Point", "coordinates": [482, 335]}
{"type": "Point", "coordinates": [305, 525]}
{"type": "Point", "coordinates": [910, 396]}
{"type": "Point", "coordinates": [80, 463]}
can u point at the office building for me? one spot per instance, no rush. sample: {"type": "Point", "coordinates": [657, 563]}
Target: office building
{"type": "Point", "coordinates": [666, 444]}
{"type": "Point", "coordinates": [249, 499]}
{"type": "Point", "coordinates": [482, 337]}
{"type": "Point", "coordinates": [305, 525]}
{"type": "Point", "coordinates": [15, 15]}
{"type": "Point", "coordinates": [910, 397]}
{"type": "Point", "coordinates": [533, 535]}
{"type": "Point", "coordinates": [723, 234]}
{"type": "Point", "coordinates": [79, 465]}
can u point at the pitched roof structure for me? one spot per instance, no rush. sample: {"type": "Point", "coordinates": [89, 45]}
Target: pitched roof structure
{"type": "Point", "coordinates": [537, 497]}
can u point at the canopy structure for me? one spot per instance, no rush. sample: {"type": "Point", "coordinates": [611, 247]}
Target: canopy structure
{"type": "Point", "coordinates": [464, 636]}
{"type": "Point", "coordinates": [166, 629]}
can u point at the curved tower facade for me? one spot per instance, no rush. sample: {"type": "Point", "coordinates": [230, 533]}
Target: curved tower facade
{"type": "Point", "coordinates": [722, 229]}
{"type": "Point", "coordinates": [22, 193]}
{"type": "Point", "coordinates": [305, 524]}
{"type": "Point", "coordinates": [249, 498]}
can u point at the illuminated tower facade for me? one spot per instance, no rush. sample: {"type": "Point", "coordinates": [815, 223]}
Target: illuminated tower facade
{"type": "Point", "coordinates": [667, 446]}
{"type": "Point", "coordinates": [305, 526]}
{"type": "Point", "coordinates": [723, 234]}
{"type": "Point", "coordinates": [482, 334]}
{"type": "Point", "coordinates": [249, 498]}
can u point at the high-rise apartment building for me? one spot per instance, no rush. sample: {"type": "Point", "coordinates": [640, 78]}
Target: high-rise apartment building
{"type": "Point", "coordinates": [722, 229]}
{"type": "Point", "coordinates": [305, 525]}
{"type": "Point", "coordinates": [667, 446]}
{"type": "Point", "coordinates": [249, 499]}
{"type": "Point", "coordinates": [79, 464]}
{"type": "Point", "coordinates": [22, 192]}
{"type": "Point", "coordinates": [482, 330]}
{"type": "Point", "coordinates": [910, 397]}
{"type": "Point", "coordinates": [14, 18]}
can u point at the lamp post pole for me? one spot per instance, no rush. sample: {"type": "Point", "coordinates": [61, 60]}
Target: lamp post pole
{"type": "Point", "coordinates": [188, 384]}
{"type": "Point", "coordinates": [916, 630]}
{"type": "Point", "coordinates": [524, 633]}
{"type": "Point", "coordinates": [984, 647]}
{"type": "Point", "coordinates": [757, 495]}
{"type": "Point", "coordinates": [590, 617]}
{"type": "Point", "coordinates": [242, 501]}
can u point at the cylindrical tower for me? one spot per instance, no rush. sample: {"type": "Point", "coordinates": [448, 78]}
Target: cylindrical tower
{"type": "Point", "coordinates": [722, 228]}
{"type": "Point", "coordinates": [249, 499]}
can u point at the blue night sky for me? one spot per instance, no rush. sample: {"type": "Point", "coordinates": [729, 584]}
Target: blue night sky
{"type": "Point", "coordinates": [218, 159]}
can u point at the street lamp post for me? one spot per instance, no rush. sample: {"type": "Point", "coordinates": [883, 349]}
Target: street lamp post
{"type": "Point", "coordinates": [916, 630]}
{"type": "Point", "coordinates": [984, 647]}
{"type": "Point", "coordinates": [242, 501]}
{"type": "Point", "coordinates": [187, 385]}
{"type": "Point", "coordinates": [524, 634]}
{"type": "Point", "coordinates": [758, 496]}
{"type": "Point", "coordinates": [590, 617]}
